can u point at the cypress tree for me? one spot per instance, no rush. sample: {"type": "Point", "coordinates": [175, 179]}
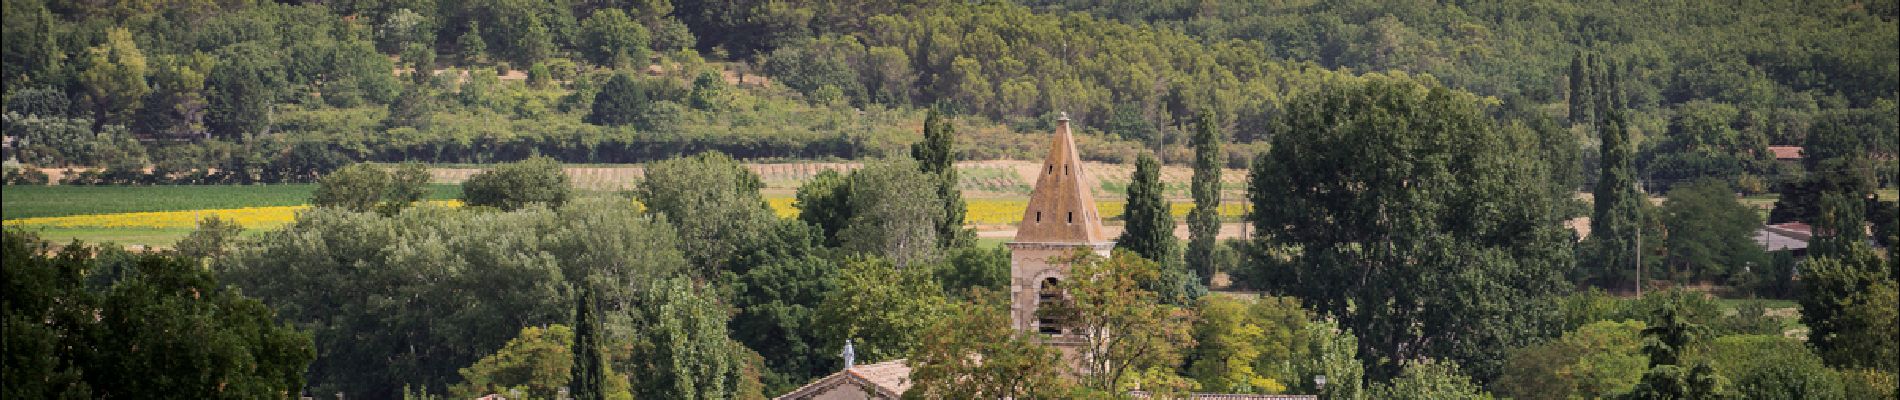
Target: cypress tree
{"type": "Point", "coordinates": [1580, 92]}
{"type": "Point", "coordinates": [1149, 229]}
{"type": "Point", "coordinates": [1204, 220]}
{"type": "Point", "coordinates": [1617, 213]}
{"type": "Point", "coordinates": [590, 364]}
{"type": "Point", "coordinates": [936, 155]}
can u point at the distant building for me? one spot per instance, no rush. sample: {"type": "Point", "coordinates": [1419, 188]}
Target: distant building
{"type": "Point", "coordinates": [1790, 236]}
{"type": "Point", "coordinates": [1786, 153]}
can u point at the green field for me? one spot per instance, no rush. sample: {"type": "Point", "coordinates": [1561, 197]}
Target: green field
{"type": "Point", "coordinates": [55, 201]}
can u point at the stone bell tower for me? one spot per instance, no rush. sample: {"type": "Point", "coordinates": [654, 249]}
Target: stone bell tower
{"type": "Point", "coordinates": [1060, 219]}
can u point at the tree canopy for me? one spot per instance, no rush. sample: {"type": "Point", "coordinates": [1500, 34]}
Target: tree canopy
{"type": "Point", "coordinates": [1403, 195]}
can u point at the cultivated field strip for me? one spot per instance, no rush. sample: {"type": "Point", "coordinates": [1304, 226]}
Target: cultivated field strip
{"type": "Point", "coordinates": [999, 177]}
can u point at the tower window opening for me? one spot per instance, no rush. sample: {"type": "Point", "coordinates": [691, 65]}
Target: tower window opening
{"type": "Point", "coordinates": [1052, 169]}
{"type": "Point", "coordinates": [1038, 216]}
{"type": "Point", "coordinates": [1071, 217]}
{"type": "Point", "coordinates": [1049, 293]}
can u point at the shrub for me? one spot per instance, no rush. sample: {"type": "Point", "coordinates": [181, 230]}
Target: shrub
{"type": "Point", "coordinates": [513, 186]}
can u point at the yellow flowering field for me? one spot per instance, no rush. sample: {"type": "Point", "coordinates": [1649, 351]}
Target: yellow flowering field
{"type": "Point", "coordinates": [249, 217]}
{"type": "Point", "coordinates": [782, 206]}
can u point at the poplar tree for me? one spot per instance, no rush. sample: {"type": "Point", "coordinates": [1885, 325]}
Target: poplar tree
{"type": "Point", "coordinates": [1148, 228]}
{"type": "Point", "coordinates": [936, 155]}
{"type": "Point", "coordinates": [1204, 220]}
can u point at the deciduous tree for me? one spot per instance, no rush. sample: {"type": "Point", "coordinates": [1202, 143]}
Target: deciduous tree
{"type": "Point", "coordinates": [716, 205]}
{"type": "Point", "coordinates": [1123, 329]}
{"type": "Point", "coordinates": [515, 185]}
{"type": "Point", "coordinates": [974, 354]}
{"type": "Point", "coordinates": [1403, 195]}
{"type": "Point", "coordinates": [895, 213]}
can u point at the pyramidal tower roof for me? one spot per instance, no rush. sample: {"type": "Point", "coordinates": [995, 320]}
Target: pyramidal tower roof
{"type": "Point", "coordinates": [1061, 209]}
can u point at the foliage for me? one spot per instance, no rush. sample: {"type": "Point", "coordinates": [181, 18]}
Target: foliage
{"type": "Point", "coordinates": [936, 156]}
{"type": "Point", "coordinates": [824, 201]}
{"type": "Point", "coordinates": [80, 325]}
{"type": "Point", "coordinates": [1846, 304]}
{"type": "Point", "coordinates": [1429, 380]}
{"type": "Point", "coordinates": [1772, 367]}
{"type": "Point", "coordinates": [1838, 156]}
{"type": "Point", "coordinates": [365, 187]}
{"type": "Point", "coordinates": [588, 374]}
{"type": "Point", "coordinates": [621, 102]}
{"type": "Point", "coordinates": [1121, 329]}
{"type": "Point", "coordinates": [537, 362]}
{"type": "Point", "coordinates": [59, 141]}
{"type": "Point", "coordinates": [516, 185]}
{"type": "Point", "coordinates": [974, 353]}
{"type": "Point", "coordinates": [894, 213]}
{"type": "Point", "coordinates": [214, 238]}
{"type": "Point", "coordinates": [1362, 186]}
{"type": "Point", "coordinates": [1148, 230]}
{"type": "Point", "coordinates": [1710, 232]}
{"type": "Point", "coordinates": [1621, 209]}
{"type": "Point", "coordinates": [778, 315]}
{"type": "Point", "coordinates": [714, 202]}
{"type": "Point", "coordinates": [24, 177]}
{"type": "Point", "coordinates": [1204, 221]}
{"type": "Point", "coordinates": [884, 310]}
{"type": "Point", "coordinates": [1668, 341]}
{"type": "Point", "coordinates": [1870, 384]}
{"type": "Point", "coordinates": [1228, 343]}
{"type": "Point", "coordinates": [337, 273]}
{"type": "Point", "coordinates": [610, 37]}
{"type": "Point", "coordinates": [1598, 360]}
{"type": "Point", "coordinates": [470, 47]}
{"type": "Point", "coordinates": [966, 268]}
{"type": "Point", "coordinates": [242, 92]}
{"type": "Point", "coordinates": [681, 350]}
{"type": "Point", "coordinates": [114, 76]}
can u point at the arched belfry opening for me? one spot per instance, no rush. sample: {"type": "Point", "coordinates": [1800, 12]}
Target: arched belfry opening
{"type": "Point", "coordinates": [1049, 294]}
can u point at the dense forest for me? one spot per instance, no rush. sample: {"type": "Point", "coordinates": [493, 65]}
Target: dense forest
{"type": "Point", "coordinates": [1411, 168]}
{"type": "Point", "coordinates": [281, 90]}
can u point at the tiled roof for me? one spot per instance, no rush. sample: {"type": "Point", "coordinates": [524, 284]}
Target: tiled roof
{"type": "Point", "coordinates": [1785, 236]}
{"type": "Point", "coordinates": [1061, 209]}
{"type": "Point", "coordinates": [889, 379]}
{"type": "Point", "coordinates": [1786, 152]}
